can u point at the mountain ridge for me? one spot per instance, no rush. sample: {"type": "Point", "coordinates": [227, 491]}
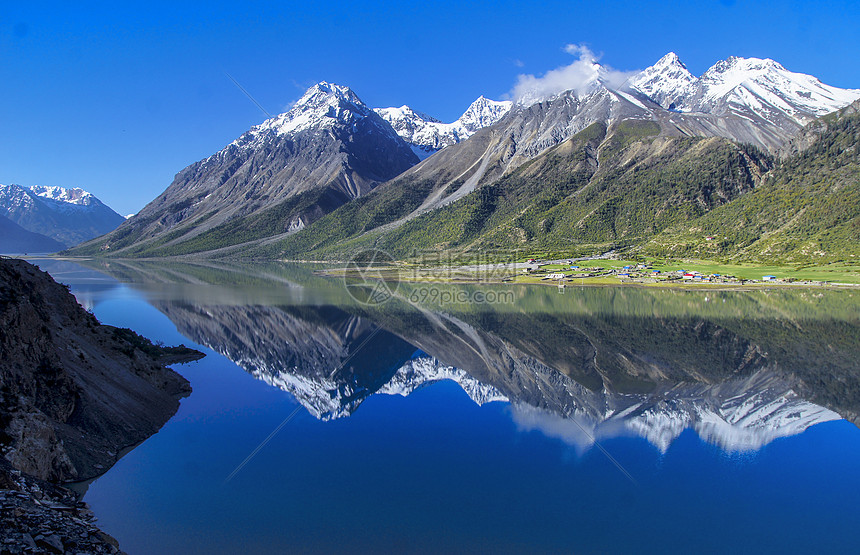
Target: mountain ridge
{"type": "Point", "coordinates": [747, 86]}
{"type": "Point", "coordinates": [428, 135]}
{"type": "Point", "coordinates": [434, 221]}
{"type": "Point", "coordinates": [68, 216]}
{"type": "Point", "coordinates": [713, 117]}
{"type": "Point", "coordinates": [16, 240]}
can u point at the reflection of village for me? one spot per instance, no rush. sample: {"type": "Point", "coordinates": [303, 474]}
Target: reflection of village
{"type": "Point", "coordinates": [644, 273]}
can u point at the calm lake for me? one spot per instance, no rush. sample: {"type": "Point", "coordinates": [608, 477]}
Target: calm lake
{"type": "Point", "coordinates": [485, 419]}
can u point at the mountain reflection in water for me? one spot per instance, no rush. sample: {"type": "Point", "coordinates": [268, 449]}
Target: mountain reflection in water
{"type": "Point", "coordinates": [741, 368]}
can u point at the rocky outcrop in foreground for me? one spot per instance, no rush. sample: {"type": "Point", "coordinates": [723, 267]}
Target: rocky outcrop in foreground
{"type": "Point", "coordinates": [73, 394]}
{"type": "Point", "coordinates": [40, 517]}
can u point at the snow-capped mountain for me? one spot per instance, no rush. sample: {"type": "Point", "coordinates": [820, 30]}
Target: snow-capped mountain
{"type": "Point", "coordinates": [68, 216]}
{"type": "Point", "coordinates": [668, 83]}
{"type": "Point", "coordinates": [738, 415]}
{"type": "Point", "coordinates": [330, 147]}
{"type": "Point", "coordinates": [745, 100]}
{"type": "Point", "coordinates": [75, 195]}
{"type": "Point", "coordinates": [427, 134]}
{"type": "Point", "coordinates": [276, 178]}
{"type": "Point", "coordinates": [323, 106]}
{"type": "Point", "coordinates": [746, 86]}
{"type": "Point", "coordinates": [590, 77]}
{"type": "Point", "coordinates": [14, 198]}
{"type": "Point", "coordinates": [423, 371]}
{"type": "Point", "coordinates": [483, 112]}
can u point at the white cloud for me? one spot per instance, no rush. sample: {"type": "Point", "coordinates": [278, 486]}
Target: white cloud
{"type": "Point", "coordinates": [580, 51]}
{"type": "Point", "coordinates": [577, 430]}
{"type": "Point", "coordinates": [574, 433]}
{"type": "Point", "coordinates": [582, 76]}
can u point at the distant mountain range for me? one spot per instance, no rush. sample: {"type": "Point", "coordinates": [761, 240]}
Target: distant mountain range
{"type": "Point", "coordinates": [48, 219]}
{"type": "Point", "coordinates": [593, 168]}
{"type": "Point", "coordinates": [428, 135]}
{"type": "Point", "coordinates": [749, 87]}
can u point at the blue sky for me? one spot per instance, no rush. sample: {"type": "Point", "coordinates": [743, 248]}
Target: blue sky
{"type": "Point", "coordinates": [116, 98]}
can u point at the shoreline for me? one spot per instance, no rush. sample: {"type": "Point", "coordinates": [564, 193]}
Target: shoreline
{"type": "Point", "coordinates": [601, 281]}
{"type": "Point", "coordinates": [846, 277]}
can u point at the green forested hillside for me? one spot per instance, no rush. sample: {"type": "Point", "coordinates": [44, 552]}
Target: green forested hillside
{"type": "Point", "coordinates": [807, 210]}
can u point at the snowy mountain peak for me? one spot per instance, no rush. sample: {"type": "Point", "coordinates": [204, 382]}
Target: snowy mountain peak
{"type": "Point", "coordinates": [58, 197]}
{"type": "Point", "coordinates": [483, 112]}
{"type": "Point", "coordinates": [668, 83]}
{"type": "Point", "coordinates": [325, 92]}
{"type": "Point", "coordinates": [767, 89]}
{"type": "Point", "coordinates": [75, 195]}
{"type": "Point", "coordinates": [578, 80]}
{"type": "Point", "coordinates": [14, 197]}
{"type": "Point", "coordinates": [321, 106]}
{"type": "Point", "coordinates": [748, 86]}
{"type": "Point", "coordinates": [670, 60]}
{"type": "Point", "coordinates": [747, 65]}
{"type": "Point", "coordinates": [404, 113]}
{"type": "Point", "coordinates": [69, 216]}
{"type": "Point", "coordinates": [427, 134]}
{"type": "Point", "coordinates": [733, 71]}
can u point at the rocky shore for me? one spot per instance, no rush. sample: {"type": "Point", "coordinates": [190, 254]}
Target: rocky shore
{"type": "Point", "coordinates": [74, 393]}
{"type": "Point", "coordinates": [40, 517]}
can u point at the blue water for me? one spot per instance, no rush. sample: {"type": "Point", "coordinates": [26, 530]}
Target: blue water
{"type": "Point", "coordinates": [434, 472]}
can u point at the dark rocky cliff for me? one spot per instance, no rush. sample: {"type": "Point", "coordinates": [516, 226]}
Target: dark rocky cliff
{"type": "Point", "coordinates": [73, 394]}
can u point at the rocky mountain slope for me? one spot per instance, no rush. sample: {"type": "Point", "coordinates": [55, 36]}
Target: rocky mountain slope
{"type": "Point", "coordinates": [68, 216]}
{"type": "Point", "coordinates": [428, 135]}
{"type": "Point", "coordinates": [40, 517]}
{"type": "Point", "coordinates": [275, 179]}
{"type": "Point", "coordinates": [73, 394]}
{"type": "Point", "coordinates": [602, 189]}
